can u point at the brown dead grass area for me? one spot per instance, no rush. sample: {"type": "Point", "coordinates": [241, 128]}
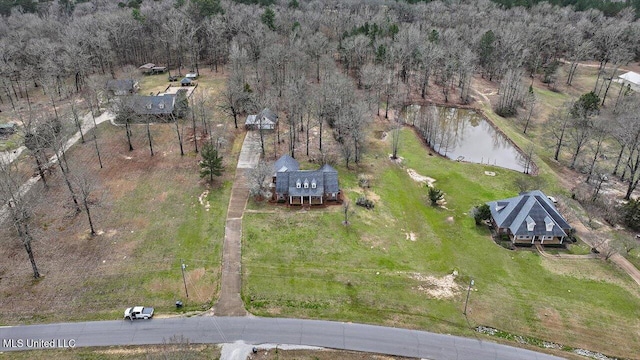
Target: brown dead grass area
{"type": "Point", "coordinates": [66, 256]}
{"type": "Point", "coordinates": [550, 319]}
{"type": "Point", "coordinates": [320, 355]}
{"type": "Point", "coordinates": [437, 287]}
{"type": "Point", "coordinates": [589, 269]}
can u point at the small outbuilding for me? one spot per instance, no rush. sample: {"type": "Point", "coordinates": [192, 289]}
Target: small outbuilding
{"type": "Point", "coordinates": [186, 82]}
{"type": "Point", "coordinates": [146, 68]}
{"type": "Point", "coordinates": [630, 79]}
{"type": "Point", "coordinates": [265, 120]}
{"type": "Point", "coordinates": [7, 129]}
{"type": "Point", "coordinates": [192, 76]}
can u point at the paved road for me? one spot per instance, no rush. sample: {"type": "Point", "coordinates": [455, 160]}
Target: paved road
{"type": "Point", "coordinates": [215, 330]}
{"type": "Point", "coordinates": [230, 303]}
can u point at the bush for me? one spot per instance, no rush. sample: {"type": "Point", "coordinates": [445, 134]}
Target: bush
{"type": "Point", "coordinates": [481, 213]}
{"type": "Point", "coordinates": [364, 202]}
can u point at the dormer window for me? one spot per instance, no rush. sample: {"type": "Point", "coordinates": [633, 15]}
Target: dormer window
{"type": "Point", "coordinates": [149, 106]}
{"type": "Point", "coordinates": [298, 184]}
{"type": "Point", "coordinates": [306, 184]}
{"type": "Point", "coordinates": [161, 105]}
{"type": "Point", "coordinates": [530, 223]}
{"type": "Point", "coordinates": [548, 223]}
{"type": "Point", "coordinates": [313, 184]}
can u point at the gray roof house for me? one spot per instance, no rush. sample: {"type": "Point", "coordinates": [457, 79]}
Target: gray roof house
{"type": "Point", "coordinates": [162, 105]}
{"type": "Point", "coordinates": [122, 87]}
{"type": "Point", "coordinates": [266, 120]}
{"type": "Point", "coordinates": [7, 129]}
{"type": "Point", "coordinates": [304, 187]}
{"type": "Point", "coordinates": [529, 218]}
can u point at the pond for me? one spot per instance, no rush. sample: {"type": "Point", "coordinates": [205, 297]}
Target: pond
{"type": "Point", "coordinates": [465, 135]}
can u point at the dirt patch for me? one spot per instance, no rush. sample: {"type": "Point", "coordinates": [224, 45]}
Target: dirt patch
{"type": "Point", "coordinates": [203, 201]}
{"type": "Point", "coordinates": [411, 236]}
{"type": "Point", "coordinates": [437, 288]}
{"type": "Point", "coordinates": [421, 178]}
{"type": "Point", "coordinates": [550, 318]}
{"type": "Point", "coordinates": [398, 161]}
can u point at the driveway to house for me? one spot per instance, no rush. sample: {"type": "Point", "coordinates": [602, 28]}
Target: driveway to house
{"type": "Point", "coordinates": [255, 330]}
{"type": "Point", "coordinates": [87, 124]}
{"type": "Point", "coordinates": [230, 303]}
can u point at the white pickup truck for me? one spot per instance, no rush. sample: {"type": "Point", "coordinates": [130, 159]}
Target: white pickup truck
{"type": "Point", "coordinates": [138, 312]}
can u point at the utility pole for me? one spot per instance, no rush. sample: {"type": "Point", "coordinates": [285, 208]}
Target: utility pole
{"type": "Point", "coordinates": [467, 300]}
{"type": "Point", "coordinates": [183, 266]}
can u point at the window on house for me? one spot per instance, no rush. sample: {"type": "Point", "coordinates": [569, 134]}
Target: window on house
{"type": "Point", "coordinates": [313, 185]}
{"type": "Point", "coordinates": [161, 105]}
{"type": "Point", "coordinates": [149, 106]}
{"type": "Point", "coordinates": [298, 185]}
{"type": "Point", "coordinates": [530, 223]}
{"type": "Point", "coordinates": [306, 184]}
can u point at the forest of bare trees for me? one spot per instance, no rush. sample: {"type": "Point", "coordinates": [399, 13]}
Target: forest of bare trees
{"type": "Point", "coordinates": [330, 63]}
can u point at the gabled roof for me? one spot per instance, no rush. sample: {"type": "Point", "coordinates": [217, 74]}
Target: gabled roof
{"type": "Point", "coordinates": [533, 208]}
{"type": "Point", "coordinates": [267, 114]}
{"type": "Point", "coordinates": [631, 77]}
{"type": "Point", "coordinates": [285, 163]}
{"type": "Point", "coordinates": [154, 105]}
{"type": "Point", "coordinates": [120, 84]}
{"type": "Point", "coordinates": [309, 177]}
{"type": "Point", "coordinates": [147, 66]}
{"type": "Point", "coordinates": [287, 174]}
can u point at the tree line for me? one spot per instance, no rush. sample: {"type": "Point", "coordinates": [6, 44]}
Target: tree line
{"type": "Point", "coordinates": [326, 64]}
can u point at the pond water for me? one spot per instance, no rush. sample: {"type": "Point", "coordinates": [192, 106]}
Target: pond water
{"type": "Point", "coordinates": [464, 135]}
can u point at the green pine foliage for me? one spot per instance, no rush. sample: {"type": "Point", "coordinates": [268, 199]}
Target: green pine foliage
{"type": "Point", "coordinates": [211, 163]}
{"type": "Point", "coordinates": [631, 214]}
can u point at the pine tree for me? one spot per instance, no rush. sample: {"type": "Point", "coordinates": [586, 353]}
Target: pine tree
{"type": "Point", "coordinates": [211, 163]}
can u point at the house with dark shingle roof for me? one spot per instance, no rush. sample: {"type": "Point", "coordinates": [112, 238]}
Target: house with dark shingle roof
{"type": "Point", "coordinates": [266, 120]}
{"type": "Point", "coordinates": [528, 219]}
{"type": "Point", "coordinates": [161, 106]}
{"type": "Point", "coordinates": [122, 86]}
{"type": "Point", "coordinates": [304, 187]}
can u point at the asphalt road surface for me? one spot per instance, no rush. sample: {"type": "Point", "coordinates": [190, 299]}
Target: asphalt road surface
{"type": "Point", "coordinates": [254, 330]}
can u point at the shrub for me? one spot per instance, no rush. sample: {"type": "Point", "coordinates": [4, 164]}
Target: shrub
{"type": "Point", "coordinates": [364, 202]}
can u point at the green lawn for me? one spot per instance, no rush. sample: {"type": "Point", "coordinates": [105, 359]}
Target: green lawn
{"type": "Point", "coordinates": [307, 264]}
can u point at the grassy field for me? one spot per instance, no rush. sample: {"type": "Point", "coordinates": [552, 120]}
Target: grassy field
{"type": "Point", "coordinates": [151, 214]}
{"type": "Point", "coordinates": [372, 271]}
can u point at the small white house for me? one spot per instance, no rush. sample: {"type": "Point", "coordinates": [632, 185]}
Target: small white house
{"type": "Point", "coordinates": [265, 120]}
{"type": "Point", "coordinates": [631, 79]}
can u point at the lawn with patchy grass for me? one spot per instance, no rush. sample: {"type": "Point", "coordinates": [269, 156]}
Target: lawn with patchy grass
{"type": "Point", "coordinates": [152, 213]}
{"type": "Point", "coordinates": [392, 265]}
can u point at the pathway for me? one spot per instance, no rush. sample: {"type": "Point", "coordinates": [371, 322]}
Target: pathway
{"type": "Point", "coordinates": [230, 303]}
{"type": "Point", "coordinates": [87, 124]}
{"type": "Point", "coordinates": [540, 249]}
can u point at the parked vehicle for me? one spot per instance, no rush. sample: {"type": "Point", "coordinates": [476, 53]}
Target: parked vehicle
{"type": "Point", "coordinates": [138, 312]}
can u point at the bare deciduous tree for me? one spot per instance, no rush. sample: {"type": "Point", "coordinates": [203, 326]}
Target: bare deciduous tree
{"type": "Point", "coordinates": [259, 179]}
{"type": "Point", "coordinates": [18, 208]}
